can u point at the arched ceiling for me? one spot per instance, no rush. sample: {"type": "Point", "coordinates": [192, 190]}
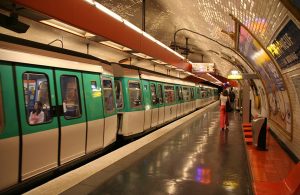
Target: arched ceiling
{"type": "Point", "coordinates": [210, 18]}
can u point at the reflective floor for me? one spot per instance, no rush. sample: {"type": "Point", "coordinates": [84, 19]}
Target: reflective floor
{"type": "Point", "coordinates": [195, 158]}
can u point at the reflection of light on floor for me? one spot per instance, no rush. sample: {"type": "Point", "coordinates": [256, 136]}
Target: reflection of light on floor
{"type": "Point", "coordinates": [171, 187]}
{"type": "Point", "coordinates": [230, 185]}
{"type": "Point", "coordinates": [203, 175]}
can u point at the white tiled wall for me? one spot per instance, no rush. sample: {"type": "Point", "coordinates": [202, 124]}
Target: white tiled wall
{"type": "Point", "coordinates": [294, 144]}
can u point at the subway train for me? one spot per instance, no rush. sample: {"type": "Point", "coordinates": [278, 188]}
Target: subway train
{"type": "Point", "coordinates": [58, 106]}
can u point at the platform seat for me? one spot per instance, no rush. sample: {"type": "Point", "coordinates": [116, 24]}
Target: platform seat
{"type": "Point", "coordinates": [288, 186]}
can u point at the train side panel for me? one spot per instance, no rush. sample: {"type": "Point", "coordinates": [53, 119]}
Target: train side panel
{"type": "Point", "coordinates": [9, 130]}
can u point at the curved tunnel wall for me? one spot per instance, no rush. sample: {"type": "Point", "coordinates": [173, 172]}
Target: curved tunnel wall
{"type": "Point", "coordinates": [281, 83]}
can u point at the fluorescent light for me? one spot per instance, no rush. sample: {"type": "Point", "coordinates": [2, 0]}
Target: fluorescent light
{"type": "Point", "coordinates": [132, 26]}
{"type": "Point", "coordinates": [180, 70]}
{"type": "Point", "coordinates": [108, 12]}
{"type": "Point", "coordinates": [159, 62]}
{"type": "Point", "coordinates": [170, 66]}
{"type": "Point", "coordinates": [115, 45]}
{"type": "Point", "coordinates": [67, 28]}
{"type": "Point", "coordinates": [141, 55]}
{"type": "Point", "coordinates": [92, 2]}
{"type": "Point", "coordinates": [149, 37]}
{"type": "Point", "coordinates": [218, 81]}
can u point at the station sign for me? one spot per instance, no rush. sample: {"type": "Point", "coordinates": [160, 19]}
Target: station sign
{"type": "Point", "coordinates": [203, 68]}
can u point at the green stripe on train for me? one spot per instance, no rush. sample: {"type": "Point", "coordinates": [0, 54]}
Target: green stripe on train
{"type": "Point", "coordinates": [9, 128]}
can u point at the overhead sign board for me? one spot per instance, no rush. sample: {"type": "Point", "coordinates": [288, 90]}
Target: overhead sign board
{"type": "Point", "coordinates": [203, 67]}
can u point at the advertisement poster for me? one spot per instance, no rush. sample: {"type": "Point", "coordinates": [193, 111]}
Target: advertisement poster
{"type": "Point", "coordinates": [286, 46]}
{"type": "Point", "coordinates": [280, 110]}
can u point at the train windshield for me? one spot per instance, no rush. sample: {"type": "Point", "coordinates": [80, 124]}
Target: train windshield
{"type": "Point", "coordinates": [36, 93]}
{"type": "Point", "coordinates": [135, 94]}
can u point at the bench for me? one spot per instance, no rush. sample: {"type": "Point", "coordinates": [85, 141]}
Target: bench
{"type": "Point", "coordinates": [288, 186]}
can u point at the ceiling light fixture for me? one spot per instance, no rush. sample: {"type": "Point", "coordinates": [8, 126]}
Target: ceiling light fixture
{"type": "Point", "coordinates": [115, 45]}
{"type": "Point", "coordinates": [67, 28]}
{"type": "Point", "coordinates": [159, 62]}
{"type": "Point", "coordinates": [141, 55]}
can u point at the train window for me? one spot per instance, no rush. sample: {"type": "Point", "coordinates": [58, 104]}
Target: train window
{"type": "Point", "coordinates": [160, 94]}
{"type": "Point", "coordinates": [36, 93]}
{"type": "Point", "coordinates": [1, 110]}
{"type": "Point", "coordinates": [119, 94]}
{"type": "Point", "coordinates": [135, 94]}
{"type": "Point", "coordinates": [153, 94]}
{"type": "Point", "coordinates": [198, 92]}
{"type": "Point", "coordinates": [186, 94]}
{"type": "Point", "coordinates": [180, 93]}
{"type": "Point", "coordinates": [70, 97]}
{"type": "Point", "coordinates": [169, 94]}
{"type": "Point", "coordinates": [192, 93]}
{"type": "Point", "coordinates": [109, 101]}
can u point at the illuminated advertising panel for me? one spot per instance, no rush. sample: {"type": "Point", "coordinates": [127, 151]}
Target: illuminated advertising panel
{"type": "Point", "coordinates": [280, 110]}
{"type": "Point", "coordinates": [203, 67]}
{"type": "Point", "coordinates": [286, 47]}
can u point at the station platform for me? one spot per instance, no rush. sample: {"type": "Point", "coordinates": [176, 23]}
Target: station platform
{"type": "Point", "coordinates": [190, 156]}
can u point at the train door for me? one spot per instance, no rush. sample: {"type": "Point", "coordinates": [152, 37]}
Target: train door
{"type": "Point", "coordinates": [110, 111]}
{"type": "Point", "coordinates": [177, 95]}
{"type": "Point", "coordinates": [9, 129]}
{"type": "Point", "coordinates": [72, 114]}
{"type": "Point", "coordinates": [40, 132]}
{"type": "Point", "coordinates": [154, 104]}
{"type": "Point", "coordinates": [147, 104]}
{"type": "Point", "coordinates": [94, 111]}
{"type": "Point", "coordinates": [161, 109]}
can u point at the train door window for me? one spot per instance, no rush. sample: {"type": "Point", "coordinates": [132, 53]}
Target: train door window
{"type": "Point", "coordinates": [198, 92]}
{"type": "Point", "coordinates": [160, 94]}
{"type": "Point", "coordinates": [153, 94]}
{"type": "Point", "coordinates": [169, 94]}
{"type": "Point", "coordinates": [135, 94]}
{"type": "Point", "coordinates": [186, 94]}
{"type": "Point", "coordinates": [192, 93]}
{"type": "Point", "coordinates": [36, 93]}
{"type": "Point", "coordinates": [70, 96]}
{"type": "Point", "coordinates": [109, 102]}
{"type": "Point", "coordinates": [119, 94]}
{"type": "Point", "coordinates": [180, 94]}
{"type": "Point", "coordinates": [1, 110]}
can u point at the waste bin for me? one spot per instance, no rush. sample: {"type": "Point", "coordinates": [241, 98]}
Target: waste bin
{"type": "Point", "coordinates": [259, 128]}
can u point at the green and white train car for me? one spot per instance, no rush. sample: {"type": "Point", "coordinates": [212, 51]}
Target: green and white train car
{"type": "Point", "coordinates": [78, 110]}
{"type": "Point", "coordinates": [146, 100]}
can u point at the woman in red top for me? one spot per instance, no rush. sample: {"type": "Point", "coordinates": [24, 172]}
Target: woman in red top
{"type": "Point", "coordinates": [223, 114]}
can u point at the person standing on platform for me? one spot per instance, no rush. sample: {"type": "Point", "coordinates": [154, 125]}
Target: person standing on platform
{"type": "Point", "coordinates": [223, 114]}
{"type": "Point", "coordinates": [232, 98]}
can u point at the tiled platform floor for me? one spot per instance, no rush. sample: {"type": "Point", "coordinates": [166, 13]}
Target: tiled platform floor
{"type": "Point", "coordinates": [271, 165]}
{"type": "Point", "coordinates": [195, 158]}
